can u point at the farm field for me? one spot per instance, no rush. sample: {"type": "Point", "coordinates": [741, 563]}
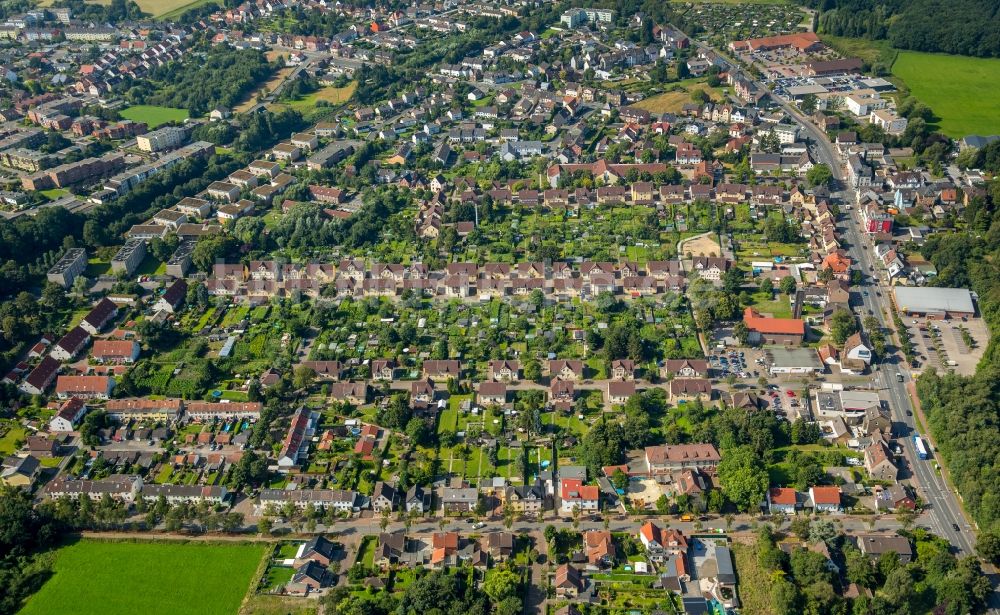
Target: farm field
{"type": "Point", "coordinates": [962, 91]}
{"type": "Point", "coordinates": [154, 116]}
{"type": "Point", "coordinates": [149, 578]}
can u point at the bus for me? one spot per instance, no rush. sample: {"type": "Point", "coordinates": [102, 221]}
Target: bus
{"type": "Point", "coordinates": [918, 443]}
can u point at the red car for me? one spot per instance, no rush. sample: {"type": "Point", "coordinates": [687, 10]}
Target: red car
{"type": "Point", "coordinates": [790, 393]}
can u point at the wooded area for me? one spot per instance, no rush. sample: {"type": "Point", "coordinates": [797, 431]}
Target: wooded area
{"type": "Point", "coordinates": [963, 411]}
{"type": "Point", "coordinates": [963, 27]}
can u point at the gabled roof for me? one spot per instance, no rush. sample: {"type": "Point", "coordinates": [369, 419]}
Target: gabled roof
{"type": "Point", "coordinates": [783, 326]}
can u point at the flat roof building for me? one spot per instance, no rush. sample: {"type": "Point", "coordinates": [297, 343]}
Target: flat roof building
{"type": "Point", "coordinates": [72, 264]}
{"type": "Point", "coordinates": [933, 302]}
{"type": "Point", "coordinates": [794, 361]}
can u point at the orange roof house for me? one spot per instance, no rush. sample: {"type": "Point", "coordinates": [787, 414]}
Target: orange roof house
{"type": "Point", "coordinates": [774, 330]}
{"type": "Point", "coordinates": [600, 547]}
{"type": "Point", "coordinates": [838, 262]}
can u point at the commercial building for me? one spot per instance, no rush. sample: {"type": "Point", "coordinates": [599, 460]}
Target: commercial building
{"type": "Point", "coordinates": [935, 303]}
{"type": "Point", "coordinates": [793, 361]}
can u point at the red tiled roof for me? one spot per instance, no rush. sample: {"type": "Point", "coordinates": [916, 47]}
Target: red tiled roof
{"type": "Point", "coordinates": [783, 495]}
{"type": "Point", "coordinates": [825, 495]}
{"type": "Point", "coordinates": [786, 326]}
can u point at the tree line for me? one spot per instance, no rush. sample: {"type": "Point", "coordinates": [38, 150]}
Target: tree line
{"type": "Point", "coordinates": [962, 27]}
{"type": "Point", "coordinates": [963, 411]}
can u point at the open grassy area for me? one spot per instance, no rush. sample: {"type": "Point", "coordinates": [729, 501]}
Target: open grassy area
{"type": "Point", "coordinates": [54, 193]}
{"type": "Point", "coordinates": [109, 578]}
{"type": "Point", "coordinates": [329, 94]}
{"type": "Point", "coordinates": [154, 116]}
{"type": "Point", "coordinates": [269, 86]}
{"type": "Point", "coordinates": [263, 604]}
{"type": "Point", "coordinates": [12, 433]}
{"type": "Point", "coordinates": [753, 580]}
{"type": "Point", "coordinates": [872, 52]}
{"type": "Point", "coordinates": [680, 95]}
{"type": "Point", "coordinates": [170, 9]}
{"type": "Point", "coordinates": [962, 91]}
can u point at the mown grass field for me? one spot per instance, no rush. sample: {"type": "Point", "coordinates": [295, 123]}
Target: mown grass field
{"type": "Point", "coordinates": [151, 578]}
{"type": "Point", "coordinates": [962, 91]}
{"type": "Point", "coordinates": [154, 116]}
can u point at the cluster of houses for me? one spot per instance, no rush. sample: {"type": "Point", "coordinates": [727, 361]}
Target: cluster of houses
{"type": "Point", "coordinates": [260, 280]}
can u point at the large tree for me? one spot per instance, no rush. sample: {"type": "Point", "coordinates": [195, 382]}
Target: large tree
{"type": "Point", "coordinates": [743, 477]}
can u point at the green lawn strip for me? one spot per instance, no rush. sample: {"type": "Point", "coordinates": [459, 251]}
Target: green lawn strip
{"type": "Point", "coordinates": [112, 578]}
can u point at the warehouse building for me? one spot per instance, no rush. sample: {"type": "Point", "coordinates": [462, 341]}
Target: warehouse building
{"type": "Point", "coordinates": [934, 303]}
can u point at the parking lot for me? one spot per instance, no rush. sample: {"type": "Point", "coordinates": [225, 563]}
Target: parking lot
{"type": "Point", "coordinates": [742, 363]}
{"type": "Point", "coordinates": [748, 365]}
{"type": "Point", "coordinates": [941, 344]}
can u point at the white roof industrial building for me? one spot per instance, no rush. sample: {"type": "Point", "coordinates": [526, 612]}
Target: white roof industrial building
{"type": "Point", "coordinates": [934, 302]}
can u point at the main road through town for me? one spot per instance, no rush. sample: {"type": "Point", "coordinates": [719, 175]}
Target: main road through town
{"type": "Point", "coordinates": [892, 375]}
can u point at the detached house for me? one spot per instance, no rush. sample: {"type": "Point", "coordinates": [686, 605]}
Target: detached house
{"type": "Point", "coordinates": [600, 548]}
{"type": "Point", "coordinates": [660, 544]}
{"type": "Point", "coordinates": [685, 368]}
{"type": "Point", "coordinates": [825, 499]}
{"type": "Point", "coordinates": [417, 500]}
{"type": "Point", "coordinates": [623, 369]}
{"type": "Point", "coordinates": [383, 498]}
{"type": "Point", "coordinates": [566, 369]}
{"type": "Point", "coordinates": [710, 267]}
{"type": "Point", "coordinates": [620, 391]}
{"type": "Point", "coordinates": [573, 494]}
{"type": "Point", "coordinates": [568, 583]}
{"type": "Point", "coordinates": [505, 371]}
{"type": "Point", "coordinates": [782, 500]}
{"type": "Point", "coordinates": [442, 369]}
{"type": "Point", "coordinates": [524, 498]}
{"type": "Point", "coordinates": [683, 390]}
